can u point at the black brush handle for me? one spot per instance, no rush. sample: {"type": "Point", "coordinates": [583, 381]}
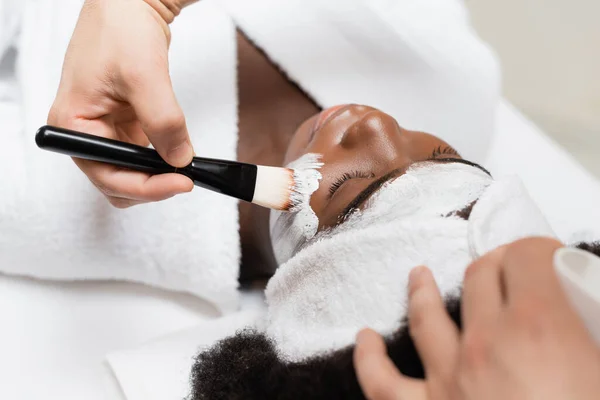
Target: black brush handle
{"type": "Point", "coordinates": [227, 177]}
{"type": "Point", "coordinates": [96, 148]}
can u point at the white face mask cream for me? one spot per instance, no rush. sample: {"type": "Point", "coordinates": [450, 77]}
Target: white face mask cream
{"type": "Point", "coordinates": [291, 230]}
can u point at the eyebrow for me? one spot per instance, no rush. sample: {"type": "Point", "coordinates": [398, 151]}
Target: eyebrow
{"type": "Point", "coordinates": [375, 186]}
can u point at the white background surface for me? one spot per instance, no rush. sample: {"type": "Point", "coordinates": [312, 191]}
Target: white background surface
{"type": "Point", "coordinates": [55, 336]}
{"type": "Point", "coordinates": [550, 56]}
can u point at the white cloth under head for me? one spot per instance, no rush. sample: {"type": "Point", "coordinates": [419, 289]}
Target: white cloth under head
{"type": "Point", "coordinates": [356, 275]}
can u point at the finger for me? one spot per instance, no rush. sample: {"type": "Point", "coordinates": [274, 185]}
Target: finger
{"type": "Point", "coordinates": [378, 376]}
{"type": "Point", "coordinates": [434, 333]}
{"type": "Point", "coordinates": [125, 184]}
{"type": "Point", "coordinates": [528, 271]}
{"type": "Point", "coordinates": [150, 92]}
{"type": "Point", "coordinates": [482, 290]}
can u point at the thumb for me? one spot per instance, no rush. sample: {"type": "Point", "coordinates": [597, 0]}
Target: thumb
{"type": "Point", "coordinates": [150, 92]}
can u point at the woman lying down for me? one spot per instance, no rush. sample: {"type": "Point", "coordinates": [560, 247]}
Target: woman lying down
{"type": "Point", "coordinates": [390, 199]}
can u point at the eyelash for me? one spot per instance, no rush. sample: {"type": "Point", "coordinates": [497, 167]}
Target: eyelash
{"type": "Point", "coordinates": [346, 177]}
{"type": "Point", "coordinates": [447, 150]}
{"type": "Point", "coordinates": [444, 151]}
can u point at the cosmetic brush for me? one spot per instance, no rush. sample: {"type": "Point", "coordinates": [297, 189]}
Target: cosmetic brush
{"type": "Point", "coordinates": [271, 187]}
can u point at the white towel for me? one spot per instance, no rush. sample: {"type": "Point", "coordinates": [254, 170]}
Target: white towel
{"type": "Point", "coordinates": [504, 213]}
{"type": "Point", "coordinates": [55, 225]}
{"type": "Point", "coordinates": [357, 275]}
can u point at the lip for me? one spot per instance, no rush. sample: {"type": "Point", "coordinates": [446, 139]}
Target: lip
{"type": "Point", "coordinates": [329, 114]}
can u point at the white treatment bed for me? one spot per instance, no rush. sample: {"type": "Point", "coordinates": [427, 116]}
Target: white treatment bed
{"type": "Point", "coordinates": [54, 337]}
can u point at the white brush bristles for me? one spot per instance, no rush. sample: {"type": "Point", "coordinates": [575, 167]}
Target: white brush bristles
{"type": "Point", "coordinates": [288, 189]}
{"type": "Point", "coordinates": [274, 187]}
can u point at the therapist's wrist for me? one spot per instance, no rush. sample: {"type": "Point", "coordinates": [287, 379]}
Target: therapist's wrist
{"type": "Point", "coordinates": [169, 9]}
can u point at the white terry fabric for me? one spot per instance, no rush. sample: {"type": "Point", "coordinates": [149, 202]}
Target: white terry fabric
{"type": "Point", "coordinates": [419, 61]}
{"type": "Point", "coordinates": [55, 225]}
{"type": "Point", "coordinates": [357, 275]}
{"type": "Point", "coordinates": [502, 214]}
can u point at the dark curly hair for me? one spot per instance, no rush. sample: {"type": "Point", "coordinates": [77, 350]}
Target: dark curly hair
{"type": "Point", "coordinates": [246, 365]}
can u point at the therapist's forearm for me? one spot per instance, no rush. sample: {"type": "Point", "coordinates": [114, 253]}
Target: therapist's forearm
{"type": "Point", "coordinates": [169, 9]}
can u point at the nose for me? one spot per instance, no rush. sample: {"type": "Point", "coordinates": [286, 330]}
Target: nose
{"type": "Point", "coordinates": [372, 127]}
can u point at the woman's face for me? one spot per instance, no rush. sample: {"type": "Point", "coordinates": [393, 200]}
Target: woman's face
{"type": "Point", "coordinates": [362, 149]}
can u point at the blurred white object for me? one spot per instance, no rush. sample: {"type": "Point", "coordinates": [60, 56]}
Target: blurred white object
{"type": "Point", "coordinates": [579, 272]}
{"type": "Point", "coordinates": [10, 21]}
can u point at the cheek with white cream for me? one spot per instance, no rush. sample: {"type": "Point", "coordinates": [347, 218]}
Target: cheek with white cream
{"type": "Point", "coordinates": [291, 230]}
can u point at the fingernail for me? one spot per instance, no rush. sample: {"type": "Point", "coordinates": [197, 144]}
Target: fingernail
{"type": "Point", "coordinates": [415, 274]}
{"type": "Point", "coordinates": [181, 155]}
{"type": "Point", "coordinates": [360, 336]}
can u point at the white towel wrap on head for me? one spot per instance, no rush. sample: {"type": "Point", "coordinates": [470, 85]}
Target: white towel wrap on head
{"type": "Point", "coordinates": [357, 275]}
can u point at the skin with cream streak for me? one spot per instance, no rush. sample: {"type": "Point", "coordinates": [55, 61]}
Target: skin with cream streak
{"type": "Point", "coordinates": [360, 145]}
{"type": "Point", "coordinates": [362, 142]}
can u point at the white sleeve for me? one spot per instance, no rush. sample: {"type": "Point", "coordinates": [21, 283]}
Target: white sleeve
{"type": "Point", "coordinates": [419, 61]}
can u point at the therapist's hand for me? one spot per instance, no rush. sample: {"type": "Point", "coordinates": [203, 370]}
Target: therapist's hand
{"type": "Point", "coordinates": [115, 83]}
{"type": "Point", "coordinates": [520, 340]}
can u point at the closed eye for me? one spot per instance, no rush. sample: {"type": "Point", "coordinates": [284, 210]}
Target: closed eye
{"type": "Point", "coordinates": [376, 185]}
{"type": "Point", "coordinates": [346, 177]}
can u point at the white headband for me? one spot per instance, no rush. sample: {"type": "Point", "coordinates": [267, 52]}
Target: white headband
{"type": "Point", "coordinates": [356, 275]}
